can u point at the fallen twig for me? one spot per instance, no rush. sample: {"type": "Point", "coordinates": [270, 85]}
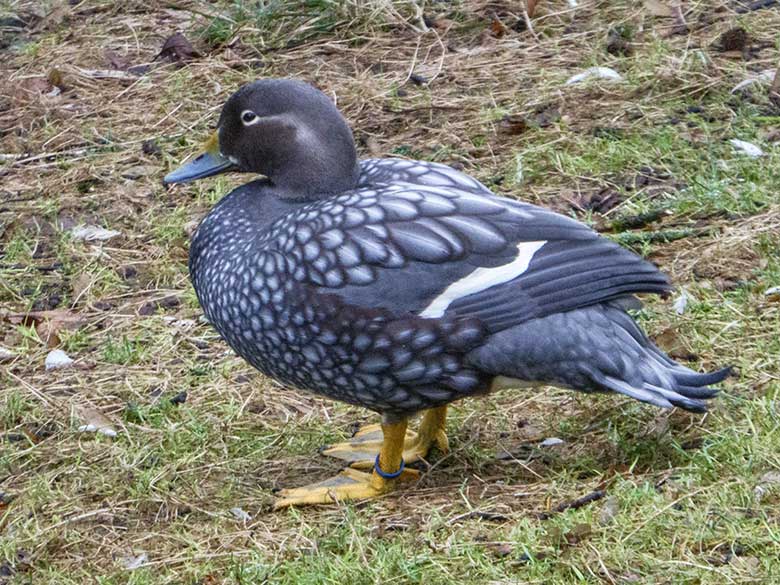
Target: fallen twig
{"type": "Point", "coordinates": [573, 504]}
{"type": "Point", "coordinates": [663, 236]}
{"type": "Point", "coordinates": [489, 516]}
{"type": "Point", "coordinates": [756, 6]}
{"type": "Point", "coordinates": [640, 220]}
{"type": "Point", "coordinates": [775, 88]}
{"type": "Point", "coordinates": [21, 159]}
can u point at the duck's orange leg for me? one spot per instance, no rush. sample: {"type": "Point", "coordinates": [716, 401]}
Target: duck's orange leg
{"type": "Point", "coordinates": [351, 484]}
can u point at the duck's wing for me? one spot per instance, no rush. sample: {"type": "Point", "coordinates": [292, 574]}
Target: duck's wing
{"type": "Point", "coordinates": [389, 171]}
{"type": "Point", "coordinates": [438, 251]}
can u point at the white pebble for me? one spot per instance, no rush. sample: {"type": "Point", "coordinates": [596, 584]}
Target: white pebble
{"type": "Point", "coordinates": [90, 233]}
{"type": "Point", "coordinates": [766, 76]}
{"type": "Point", "coordinates": [90, 428]}
{"type": "Point", "coordinates": [518, 169]}
{"type": "Point", "coordinates": [240, 514]}
{"type": "Point", "coordinates": [605, 73]}
{"type": "Point", "coordinates": [131, 562]}
{"type": "Point", "coordinates": [551, 442]}
{"type": "Point", "coordinates": [681, 302]}
{"type": "Point", "coordinates": [57, 359]}
{"type": "Point", "coordinates": [747, 148]}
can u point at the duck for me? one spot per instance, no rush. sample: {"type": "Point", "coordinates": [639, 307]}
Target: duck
{"type": "Point", "coordinates": [402, 286]}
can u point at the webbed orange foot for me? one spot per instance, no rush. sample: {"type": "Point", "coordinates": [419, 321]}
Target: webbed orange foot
{"type": "Point", "coordinates": [361, 450]}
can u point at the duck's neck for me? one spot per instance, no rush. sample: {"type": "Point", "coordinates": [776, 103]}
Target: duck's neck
{"type": "Point", "coordinates": [314, 178]}
{"type": "Point", "coordinates": [259, 203]}
{"type": "Point", "coordinates": [240, 218]}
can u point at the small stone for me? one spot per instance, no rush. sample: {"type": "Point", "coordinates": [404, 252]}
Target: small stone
{"type": "Point", "coordinates": [609, 510]}
{"type": "Point", "coordinates": [735, 39]}
{"type": "Point", "coordinates": [89, 233]}
{"type": "Point", "coordinates": [133, 562]}
{"type": "Point", "coordinates": [240, 514]}
{"type": "Point", "coordinates": [139, 171]}
{"type": "Point", "coordinates": [127, 271]}
{"type": "Point", "coordinates": [603, 73]}
{"type": "Point", "coordinates": [91, 428]}
{"type": "Point", "coordinates": [169, 302]}
{"type": "Point", "coordinates": [747, 148]}
{"type": "Point", "coordinates": [57, 359]}
{"type": "Point", "coordinates": [180, 398]}
{"type": "Point", "coordinates": [681, 302]}
{"type": "Point", "coordinates": [551, 442]}
{"type": "Point", "coordinates": [151, 147]}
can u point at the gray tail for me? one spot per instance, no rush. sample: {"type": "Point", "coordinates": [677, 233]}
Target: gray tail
{"type": "Point", "coordinates": [682, 387]}
{"type": "Point", "coordinates": [648, 374]}
{"type": "Point", "coordinates": [597, 349]}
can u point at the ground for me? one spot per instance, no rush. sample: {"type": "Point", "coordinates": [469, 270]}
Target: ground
{"type": "Point", "coordinates": [176, 485]}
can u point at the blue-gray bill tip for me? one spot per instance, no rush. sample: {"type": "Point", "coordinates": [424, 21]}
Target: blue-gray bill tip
{"type": "Point", "coordinates": [205, 165]}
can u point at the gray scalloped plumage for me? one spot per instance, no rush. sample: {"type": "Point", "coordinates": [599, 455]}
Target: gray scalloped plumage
{"type": "Point", "coordinates": [403, 285]}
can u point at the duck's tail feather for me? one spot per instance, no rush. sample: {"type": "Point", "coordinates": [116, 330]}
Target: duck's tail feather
{"type": "Point", "coordinates": [596, 349]}
{"type": "Point", "coordinates": [688, 397]}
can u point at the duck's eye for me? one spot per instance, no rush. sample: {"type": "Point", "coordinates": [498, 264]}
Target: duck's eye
{"type": "Point", "coordinates": [248, 117]}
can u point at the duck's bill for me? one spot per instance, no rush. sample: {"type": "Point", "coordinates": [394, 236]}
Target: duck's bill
{"type": "Point", "coordinates": [205, 165]}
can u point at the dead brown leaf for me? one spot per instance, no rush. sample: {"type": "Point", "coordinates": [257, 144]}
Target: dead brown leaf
{"type": "Point", "coordinates": [771, 134]}
{"type": "Point", "coordinates": [115, 61]}
{"type": "Point", "coordinates": [95, 421]}
{"type": "Point", "coordinates": [80, 285]}
{"type": "Point", "coordinates": [442, 24]}
{"type": "Point", "coordinates": [501, 550]}
{"type": "Point", "coordinates": [47, 324]}
{"type": "Point", "coordinates": [36, 85]}
{"type": "Point", "coordinates": [734, 39]}
{"type": "Point", "coordinates": [658, 8]}
{"type": "Point", "coordinates": [56, 78]}
{"type": "Point", "coordinates": [56, 16]}
{"type": "Point", "coordinates": [600, 201]}
{"type": "Point", "coordinates": [178, 49]}
{"type": "Point", "coordinates": [749, 565]}
{"type": "Point", "coordinates": [670, 342]}
{"type": "Point", "coordinates": [497, 28]}
{"type": "Point", "coordinates": [512, 124]}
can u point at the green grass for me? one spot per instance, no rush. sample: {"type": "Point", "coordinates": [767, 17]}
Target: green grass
{"type": "Point", "coordinates": [278, 23]}
{"type": "Point", "coordinates": [688, 498]}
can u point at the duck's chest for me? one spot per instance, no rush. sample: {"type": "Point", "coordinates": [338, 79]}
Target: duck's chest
{"type": "Point", "coordinates": [240, 284]}
{"type": "Point", "coordinates": [251, 295]}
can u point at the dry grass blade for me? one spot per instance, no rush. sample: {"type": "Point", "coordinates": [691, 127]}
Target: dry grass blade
{"type": "Point", "coordinates": [91, 120]}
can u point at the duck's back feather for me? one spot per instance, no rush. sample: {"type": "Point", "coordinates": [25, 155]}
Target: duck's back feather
{"type": "Point", "coordinates": [436, 250]}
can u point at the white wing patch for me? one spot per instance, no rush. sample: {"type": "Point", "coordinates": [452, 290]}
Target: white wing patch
{"type": "Point", "coordinates": [483, 279]}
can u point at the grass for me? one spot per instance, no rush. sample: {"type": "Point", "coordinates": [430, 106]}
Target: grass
{"type": "Point", "coordinates": [675, 498]}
